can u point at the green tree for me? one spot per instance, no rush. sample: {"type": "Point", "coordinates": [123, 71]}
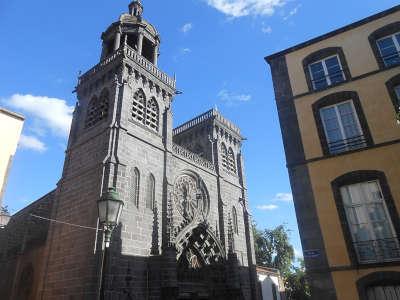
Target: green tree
{"type": "Point", "coordinates": [296, 284]}
{"type": "Point", "coordinates": [273, 249]}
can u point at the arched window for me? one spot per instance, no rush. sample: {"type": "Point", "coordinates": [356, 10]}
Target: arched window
{"type": "Point", "coordinates": [97, 109]}
{"type": "Point", "coordinates": [152, 114]}
{"type": "Point", "coordinates": [235, 221]}
{"type": "Point", "coordinates": [379, 286]}
{"type": "Point", "coordinates": [385, 43]}
{"type": "Point", "coordinates": [151, 185]}
{"type": "Point", "coordinates": [231, 161]}
{"type": "Point", "coordinates": [224, 156]}
{"type": "Point", "coordinates": [145, 112]}
{"type": "Point", "coordinates": [368, 215]}
{"type": "Point", "coordinates": [139, 106]}
{"type": "Point", "coordinates": [136, 187]}
{"type": "Point", "coordinates": [341, 123]}
{"type": "Point", "coordinates": [393, 86]}
{"type": "Point", "coordinates": [326, 67]}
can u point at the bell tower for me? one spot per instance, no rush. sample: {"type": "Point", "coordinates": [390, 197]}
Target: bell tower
{"type": "Point", "coordinates": [184, 231]}
{"type": "Point", "coordinates": [121, 137]}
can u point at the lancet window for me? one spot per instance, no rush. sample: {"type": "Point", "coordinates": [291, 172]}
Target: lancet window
{"type": "Point", "coordinates": [145, 112]}
{"type": "Point", "coordinates": [224, 156]}
{"type": "Point", "coordinates": [231, 161]}
{"type": "Point", "coordinates": [97, 109]}
{"type": "Point", "coordinates": [136, 187]}
{"type": "Point", "coordinates": [152, 114]}
{"type": "Point", "coordinates": [138, 106]}
{"type": "Point", "coordinates": [150, 201]}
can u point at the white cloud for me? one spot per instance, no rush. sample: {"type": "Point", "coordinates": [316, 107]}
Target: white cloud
{"type": "Point", "coordinates": [185, 51]}
{"type": "Point", "coordinates": [284, 197]}
{"type": "Point", "coordinates": [31, 143]}
{"type": "Point", "coordinates": [240, 8]}
{"type": "Point", "coordinates": [187, 27]}
{"type": "Point", "coordinates": [267, 207]}
{"type": "Point", "coordinates": [47, 113]}
{"type": "Point", "coordinates": [291, 13]}
{"type": "Point", "coordinates": [266, 29]}
{"type": "Point", "coordinates": [233, 98]}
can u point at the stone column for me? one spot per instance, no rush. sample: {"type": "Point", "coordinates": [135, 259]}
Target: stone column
{"type": "Point", "coordinates": [155, 55]}
{"type": "Point", "coordinates": [140, 43]}
{"type": "Point", "coordinates": [117, 41]}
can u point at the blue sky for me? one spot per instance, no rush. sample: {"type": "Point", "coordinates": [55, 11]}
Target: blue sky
{"type": "Point", "coordinates": [215, 48]}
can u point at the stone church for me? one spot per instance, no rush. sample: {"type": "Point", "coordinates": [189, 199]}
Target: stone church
{"type": "Point", "coordinates": [185, 230]}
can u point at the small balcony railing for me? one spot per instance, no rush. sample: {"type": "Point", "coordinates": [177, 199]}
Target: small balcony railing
{"type": "Point", "coordinates": [378, 251]}
{"type": "Point", "coordinates": [352, 143]}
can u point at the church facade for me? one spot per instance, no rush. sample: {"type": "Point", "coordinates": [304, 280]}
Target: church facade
{"type": "Point", "coordinates": [185, 230]}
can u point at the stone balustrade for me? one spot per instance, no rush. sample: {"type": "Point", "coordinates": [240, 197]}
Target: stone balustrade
{"type": "Point", "coordinates": [134, 56]}
{"type": "Point", "coordinates": [195, 158]}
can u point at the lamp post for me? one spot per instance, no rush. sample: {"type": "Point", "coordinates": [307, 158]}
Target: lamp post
{"type": "Point", "coordinates": [109, 208]}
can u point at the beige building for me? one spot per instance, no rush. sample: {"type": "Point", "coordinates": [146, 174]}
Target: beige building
{"type": "Point", "coordinates": [10, 131]}
{"type": "Point", "coordinates": [338, 96]}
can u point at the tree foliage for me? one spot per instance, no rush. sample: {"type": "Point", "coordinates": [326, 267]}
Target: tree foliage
{"type": "Point", "coordinates": [296, 284]}
{"type": "Point", "coordinates": [273, 250]}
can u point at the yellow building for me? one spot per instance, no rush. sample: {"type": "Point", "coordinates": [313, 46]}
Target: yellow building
{"type": "Point", "coordinates": [337, 97]}
{"type": "Point", "coordinates": [10, 131]}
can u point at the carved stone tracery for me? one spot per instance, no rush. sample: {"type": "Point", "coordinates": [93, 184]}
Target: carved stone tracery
{"type": "Point", "coordinates": [191, 197]}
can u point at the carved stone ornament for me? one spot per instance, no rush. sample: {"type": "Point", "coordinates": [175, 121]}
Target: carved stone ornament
{"type": "Point", "coordinates": [191, 197]}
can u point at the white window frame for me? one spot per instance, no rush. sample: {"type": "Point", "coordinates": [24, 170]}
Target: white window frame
{"type": "Point", "coordinates": [369, 203]}
{"type": "Point", "coordinates": [342, 131]}
{"type": "Point", "coordinates": [327, 76]}
{"type": "Point", "coordinates": [370, 223]}
{"type": "Point", "coordinates": [396, 44]}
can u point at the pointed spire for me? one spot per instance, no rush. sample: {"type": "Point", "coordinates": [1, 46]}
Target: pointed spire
{"type": "Point", "coordinates": [136, 8]}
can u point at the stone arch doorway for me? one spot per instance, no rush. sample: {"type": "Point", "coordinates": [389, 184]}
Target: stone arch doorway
{"type": "Point", "coordinates": [201, 260]}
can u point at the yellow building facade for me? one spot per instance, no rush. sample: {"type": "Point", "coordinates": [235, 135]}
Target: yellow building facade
{"type": "Point", "coordinates": [338, 99]}
{"type": "Point", "coordinates": [10, 131]}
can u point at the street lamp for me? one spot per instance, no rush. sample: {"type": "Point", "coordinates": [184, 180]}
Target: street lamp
{"type": "Point", "coordinates": [110, 208]}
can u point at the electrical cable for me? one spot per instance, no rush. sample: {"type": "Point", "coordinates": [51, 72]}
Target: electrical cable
{"type": "Point", "coordinates": [65, 223]}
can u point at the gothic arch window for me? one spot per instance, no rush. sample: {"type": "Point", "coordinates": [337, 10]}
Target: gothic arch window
{"type": "Point", "coordinates": [235, 220]}
{"type": "Point", "coordinates": [97, 109]}
{"type": "Point", "coordinates": [368, 216]}
{"type": "Point", "coordinates": [224, 156]}
{"type": "Point", "coordinates": [341, 123]}
{"type": "Point", "coordinates": [325, 68]}
{"type": "Point", "coordinates": [136, 187]}
{"type": "Point", "coordinates": [151, 185]}
{"type": "Point", "coordinates": [152, 114]}
{"type": "Point", "coordinates": [139, 106]}
{"type": "Point", "coordinates": [385, 43]}
{"type": "Point", "coordinates": [393, 86]}
{"type": "Point", "coordinates": [231, 161]}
